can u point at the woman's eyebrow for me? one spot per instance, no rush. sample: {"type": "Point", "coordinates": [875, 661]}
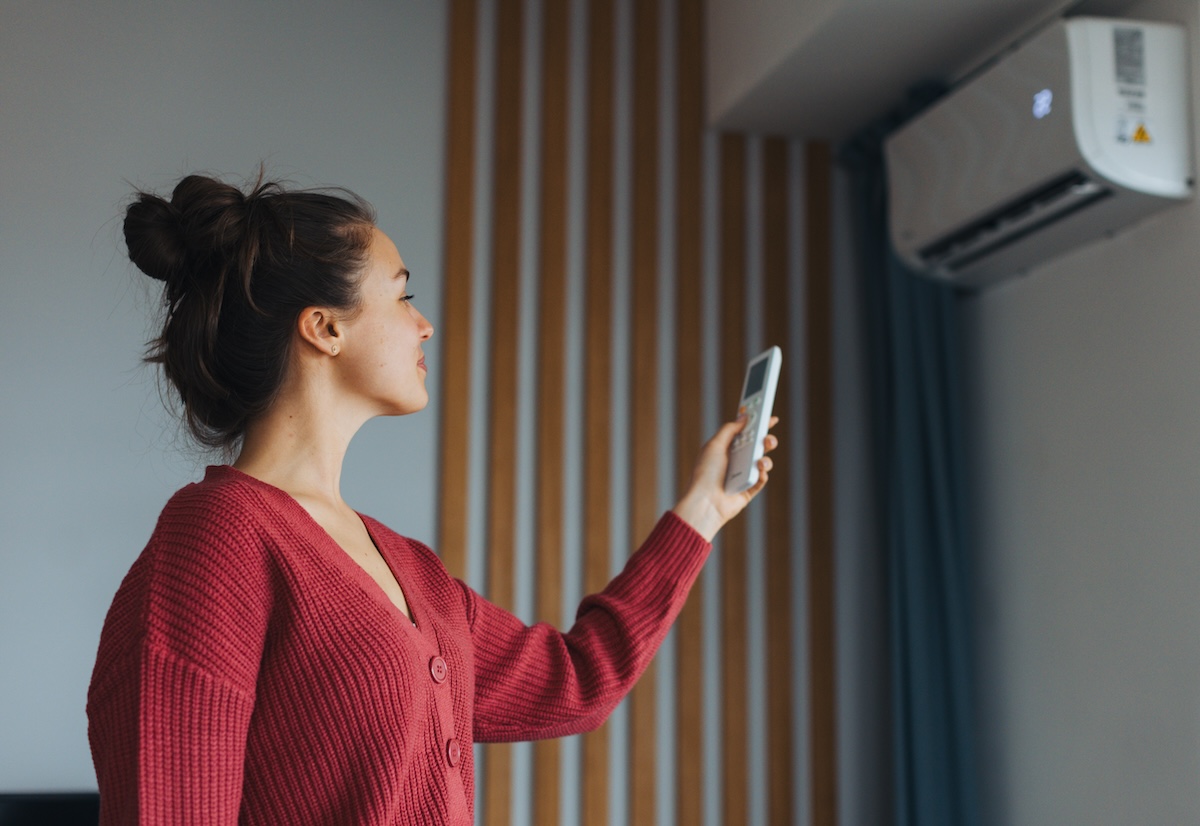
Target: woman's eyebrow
{"type": "Point", "coordinates": [403, 273]}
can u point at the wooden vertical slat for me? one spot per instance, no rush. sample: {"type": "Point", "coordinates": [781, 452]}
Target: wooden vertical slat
{"type": "Point", "coordinates": [689, 379]}
{"type": "Point", "coordinates": [778, 496]}
{"type": "Point", "coordinates": [734, 752]}
{"type": "Point", "coordinates": [506, 271]}
{"type": "Point", "coordinates": [819, 373]}
{"type": "Point", "coordinates": [552, 263]}
{"type": "Point", "coordinates": [598, 358]}
{"type": "Point", "coordinates": [643, 440]}
{"type": "Point", "coordinates": [455, 371]}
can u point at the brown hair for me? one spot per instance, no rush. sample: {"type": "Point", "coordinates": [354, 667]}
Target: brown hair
{"type": "Point", "coordinates": [238, 269]}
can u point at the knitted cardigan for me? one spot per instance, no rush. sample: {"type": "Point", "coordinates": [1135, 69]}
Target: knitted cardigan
{"type": "Point", "coordinates": [250, 672]}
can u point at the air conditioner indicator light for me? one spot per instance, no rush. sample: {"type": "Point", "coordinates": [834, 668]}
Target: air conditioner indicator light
{"type": "Point", "coordinates": [1041, 103]}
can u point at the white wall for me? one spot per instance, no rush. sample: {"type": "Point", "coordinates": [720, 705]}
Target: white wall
{"type": "Point", "coordinates": [1086, 426]}
{"type": "Point", "coordinates": [97, 97]}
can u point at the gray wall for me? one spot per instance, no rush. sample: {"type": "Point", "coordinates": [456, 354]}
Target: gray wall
{"type": "Point", "coordinates": [94, 99]}
{"type": "Point", "coordinates": [1086, 426]}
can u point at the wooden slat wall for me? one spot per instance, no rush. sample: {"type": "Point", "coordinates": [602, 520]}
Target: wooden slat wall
{"type": "Point", "coordinates": [689, 379]}
{"type": "Point", "coordinates": [552, 278]}
{"type": "Point", "coordinates": [778, 495]}
{"type": "Point", "coordinates": [506, 268]}
{"type": "Point", "coordinates": [596, 229]}
{"type": "Point", "coordinates": [459, 249]}
{"type": "Point", "coordinates": [643, 439]}
{"type": "Point", "coordinates": [598, 264]}
{"type": "Point", "coordinates": [734, 687]}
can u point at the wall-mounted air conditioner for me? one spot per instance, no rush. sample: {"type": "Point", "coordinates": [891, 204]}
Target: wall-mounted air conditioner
{"type": "Point", "coordinates": [1076, 133]}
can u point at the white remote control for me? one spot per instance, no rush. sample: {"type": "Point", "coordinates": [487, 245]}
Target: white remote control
{"type": "Point", "coordinates": [758, 396]}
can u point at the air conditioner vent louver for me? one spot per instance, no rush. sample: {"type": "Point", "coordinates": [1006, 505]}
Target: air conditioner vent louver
{"type": "Point", "coordinates": [1013, 221]}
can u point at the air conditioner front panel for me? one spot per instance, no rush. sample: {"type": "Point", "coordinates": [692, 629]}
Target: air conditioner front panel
{"type": "Point", "coordinates": [983, 145]}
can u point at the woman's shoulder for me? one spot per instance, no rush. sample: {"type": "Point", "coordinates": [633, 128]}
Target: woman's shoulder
{"type": "Point", "coordinates": [226, 505]}
{"type": "Point", "coordinates": [223, 495]}
{"type": "Point", "coordinates": [202, 588]}
{"type": "Point", "coordinates": [216, 528]}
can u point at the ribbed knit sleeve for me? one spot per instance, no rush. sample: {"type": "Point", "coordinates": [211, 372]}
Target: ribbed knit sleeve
{"type": "Point", "coordinates": [174, 685]}
{"type": "Point", "coordinates": [536, 682]}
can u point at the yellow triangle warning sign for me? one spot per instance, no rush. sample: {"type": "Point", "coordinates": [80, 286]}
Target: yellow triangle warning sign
{"type": "Point", "coordinates": [1141, 135]}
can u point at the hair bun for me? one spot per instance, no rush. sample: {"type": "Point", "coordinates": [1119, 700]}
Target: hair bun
{"type": "Point", "coordinates": [212, 212]}
{"type": "Point", "coordinates": [154, 236]}
{"type": "Point", "coordinates": [178, 241]}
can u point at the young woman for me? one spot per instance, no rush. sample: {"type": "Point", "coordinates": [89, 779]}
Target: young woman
{"type": "Point", "coordinates": [275, 657]}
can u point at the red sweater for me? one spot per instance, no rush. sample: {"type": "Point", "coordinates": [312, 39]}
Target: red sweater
{"type": "Point", "coordinates": [249, 671]}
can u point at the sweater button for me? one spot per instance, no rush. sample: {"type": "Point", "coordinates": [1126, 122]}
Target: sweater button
{"type": "Point", "coordinates": [453, 752]}
{"type": "Point", "coordinates": [438, 670]}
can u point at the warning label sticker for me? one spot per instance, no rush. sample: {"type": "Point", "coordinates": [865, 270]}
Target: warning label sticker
{"type": "Point", "coordinates": [1134, 130]}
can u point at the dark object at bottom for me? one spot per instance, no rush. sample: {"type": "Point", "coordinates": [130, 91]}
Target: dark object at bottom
{"type": "Point", "coordinates": [50, 809]}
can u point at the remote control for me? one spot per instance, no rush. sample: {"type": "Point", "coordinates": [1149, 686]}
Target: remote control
{"type": "Point", "coordinates": [758, 396]}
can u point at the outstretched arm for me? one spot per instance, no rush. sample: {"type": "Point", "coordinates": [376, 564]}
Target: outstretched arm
{"type": "Point", "coordinates": [536, 682]}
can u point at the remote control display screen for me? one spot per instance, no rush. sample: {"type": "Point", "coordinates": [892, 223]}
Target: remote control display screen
{"type": "Point", "coordinates": [754, 382]}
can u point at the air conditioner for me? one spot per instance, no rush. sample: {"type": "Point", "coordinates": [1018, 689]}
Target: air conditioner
{"type": "Point", "coordinates": [1077, 132]}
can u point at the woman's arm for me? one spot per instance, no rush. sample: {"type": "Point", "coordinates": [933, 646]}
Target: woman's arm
{"type": "Point", "coordinates": [537, 682]}
{"type": "Point", "coordinates": [173, 687]}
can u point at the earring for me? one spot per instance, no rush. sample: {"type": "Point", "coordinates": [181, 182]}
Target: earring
{"type": "Point", "coordinates": [333, 350]}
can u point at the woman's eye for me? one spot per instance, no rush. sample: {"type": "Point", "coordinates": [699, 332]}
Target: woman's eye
{"type": "Point", "coordinates": [407, 298]}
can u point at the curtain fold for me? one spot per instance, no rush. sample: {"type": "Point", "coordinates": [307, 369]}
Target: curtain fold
{"type": "Point", "coordinates": [917, 423]}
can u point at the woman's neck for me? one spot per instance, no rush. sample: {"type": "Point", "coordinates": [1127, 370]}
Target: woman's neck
{"type": "Point", "coordinates": [299, 446]}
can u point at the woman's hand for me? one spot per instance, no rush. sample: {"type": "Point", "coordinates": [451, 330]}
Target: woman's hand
{"type": "Point", "coordinates": [705, 505]}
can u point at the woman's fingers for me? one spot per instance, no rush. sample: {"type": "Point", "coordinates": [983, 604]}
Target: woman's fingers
{"type": "Point", "coordinates": [726, 434]}
{"type": "Point", "coordinates": [771, 441]}
{"type": "Point", "coordinates": [705, 505]}
{"type": "Point", "coordinates": [764, 467]}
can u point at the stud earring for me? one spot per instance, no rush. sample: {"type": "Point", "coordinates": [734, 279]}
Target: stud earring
{"type": "Point", "coordinates": [333, 350]}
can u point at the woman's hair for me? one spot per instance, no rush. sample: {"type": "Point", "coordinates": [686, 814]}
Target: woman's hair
{"type": "Point", "coordinates": [238, 269]}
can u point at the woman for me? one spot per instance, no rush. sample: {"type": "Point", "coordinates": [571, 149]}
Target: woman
{"type": "Point", "coordinates": [275, 657]}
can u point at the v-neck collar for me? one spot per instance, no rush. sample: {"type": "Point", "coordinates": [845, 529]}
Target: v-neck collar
{"type": "Point", "coordinates": [300, 520]}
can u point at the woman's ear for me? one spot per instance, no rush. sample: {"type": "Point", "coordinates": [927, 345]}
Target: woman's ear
{"type": "Point", "coordinates": [319, 328]}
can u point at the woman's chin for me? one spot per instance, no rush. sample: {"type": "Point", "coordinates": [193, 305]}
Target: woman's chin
{"type": "Point", "coordinates": [408, 407]}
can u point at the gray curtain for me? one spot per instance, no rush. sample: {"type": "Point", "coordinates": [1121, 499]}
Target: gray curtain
{"type": "Point", "coordinates": [917, 423]}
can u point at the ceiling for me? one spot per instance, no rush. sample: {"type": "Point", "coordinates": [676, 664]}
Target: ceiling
{"type": "Point", "coordinates": [825, 68]}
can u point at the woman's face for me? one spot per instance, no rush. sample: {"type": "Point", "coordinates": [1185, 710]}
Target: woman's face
{"type": "Point", "coordinates": [382, 361]}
